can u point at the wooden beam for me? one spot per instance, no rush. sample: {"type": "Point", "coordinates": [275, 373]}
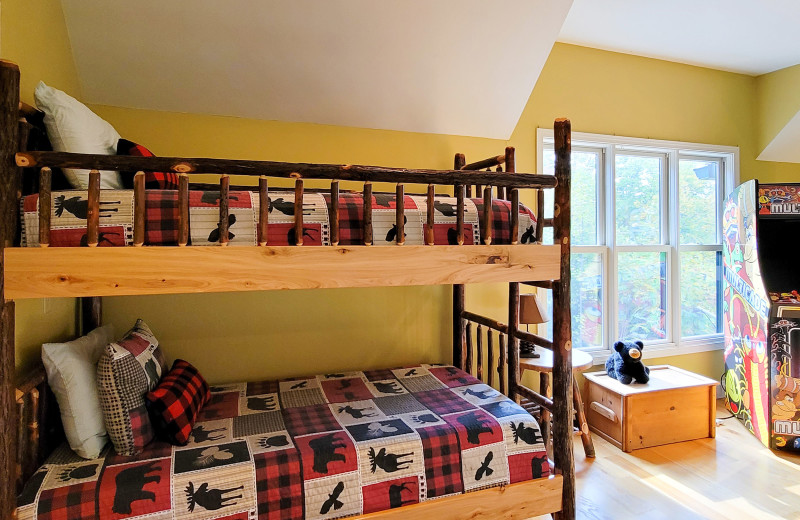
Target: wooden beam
{"type": "Point", "coordinates": [536, 397]}
{"type": "Point", "coordinates": [489, 162]}
{"type": "Point", "coordinates": [486, 322]}
{"type": "Point", "coordinates": [348, 172]}
{"type": "Point", "coordinates": [112, 271]}
{"type": "Point", "coordinates": [562, 322]}
{"type": "Point", "coordinates": [9, 140]}
{"type": "Point", "coordinates": [512, 502]}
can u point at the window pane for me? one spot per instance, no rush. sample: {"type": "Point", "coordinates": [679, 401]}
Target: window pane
{"type": "Point", "coordinates": [638, 183]}
{"type": "Point", "coordinates": [698, 201]}
{"type": "Point", "coordinates": [586, 302]}
{"type": "Point", "coordinates": [700, 286]}
{"type": "Point", "coordinates": [587, 299]}
{"type": "Point", "coordinates": [642, 296]}
{"type": "Point", "coordinates": [583, 197]}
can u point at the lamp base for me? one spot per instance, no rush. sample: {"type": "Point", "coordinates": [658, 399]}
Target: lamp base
{"type": "Point", "coordinates": [527, 350]}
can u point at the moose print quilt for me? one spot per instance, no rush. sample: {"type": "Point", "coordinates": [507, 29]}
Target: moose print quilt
{"type": "Point", "coordinates": [323, 447]}
{"type": "Point", "coordinates": [69, 211]}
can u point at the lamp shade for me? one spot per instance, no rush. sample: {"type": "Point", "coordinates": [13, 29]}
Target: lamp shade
{"type": "Point", "coordinates": [532, 310]}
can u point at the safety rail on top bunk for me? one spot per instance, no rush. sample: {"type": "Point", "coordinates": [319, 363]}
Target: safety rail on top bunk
{"type": "Point", "coordinates": [506, 182]}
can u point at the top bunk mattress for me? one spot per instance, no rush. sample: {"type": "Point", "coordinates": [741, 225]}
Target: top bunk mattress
{"type": "Point", "coordinates": [69, 212]}
{"type": "Point", "coordinates": [329, 446]}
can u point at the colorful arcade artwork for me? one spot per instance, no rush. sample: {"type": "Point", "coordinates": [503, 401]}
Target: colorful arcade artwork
{"type": "Point", "coordinates": [762, 311]}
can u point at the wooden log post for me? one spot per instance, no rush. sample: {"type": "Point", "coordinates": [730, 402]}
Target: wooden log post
{"type": "Point", "coordinates": [489, 358]}
{"type": "Point", "coordinates": [501, 191]}
{"type": "Point", "coordinates": [459, 329]}
{"type": "Point", "coordinates": [45, 205]}
{"type": "Point", "coordinates": [488, 216]}
{"type": "Point", "coordinates": [429, 226]}
{"type": "Point", "coordinates": [400, 218]}
{"type": "Point", "coordinates": [458, 164]}
{"type": "Point", "coordinates": [489, 162]}
{"type": "Point", "coordinates": [367, 214]}
{"type": "Point", "coordinates": [139, 209]}
{"type": "Point", "coordinates": [562, 323]}
{"type": "Point", "coordinates": [93, 211]}
{"type": "Point", "coordinates": [460, 214]}
{"type": "Point", "coordinates": [9, 138]}
{"type": "Point", "coordinates": [224, 201]}
{"type": "Point", "coordinates": [334, 213]}
{"type": "Point", "coordinates": [539, 216]}
{"type": "Point", "coordinates": [513, 341]}
{"type": "Point", "coordinates": [183, 209]}
{"type": "Point", "coordinates": [514, 215]}
{"type": "Point", "coordinates": [91, 313]}
{"type": "Point", "coordinates": [501, 364]}
{"type": "Point", "coordinates": [479, 353]}
{"type": "Point", "coordinates": [468, 364]}
{"type": "Point", "coordinates": [298, 212]}
{"type": "Point", "coordinates": [263, 210]}
{"type": "Point", "coordinates": [21, 444]}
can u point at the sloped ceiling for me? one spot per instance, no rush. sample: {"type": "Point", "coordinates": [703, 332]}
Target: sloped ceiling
{"type": "Point", "coordinates": [785, 147]}
{"type": "Point", "coordinates": [745, 36]}
{"type": "Point", "coordinates": [464, 67]}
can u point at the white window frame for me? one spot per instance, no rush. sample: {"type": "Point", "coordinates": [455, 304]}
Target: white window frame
{"type": "Point", "coordinates": [672, 152]}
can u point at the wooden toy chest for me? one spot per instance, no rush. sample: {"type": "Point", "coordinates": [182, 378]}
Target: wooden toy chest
{"type": "Point", "coordinates": [674, 406]}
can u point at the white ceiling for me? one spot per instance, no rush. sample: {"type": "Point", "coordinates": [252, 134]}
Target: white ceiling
{"type": "Point", "coordinates": [747, 36]}
{"type": "Point", "coordinates": [463, 67]}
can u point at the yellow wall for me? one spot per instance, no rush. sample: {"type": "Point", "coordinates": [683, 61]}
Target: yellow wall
{"type": "Point", "coordinates": [33, 34]}
{"type": "Point", "coordinates": [273, 334]}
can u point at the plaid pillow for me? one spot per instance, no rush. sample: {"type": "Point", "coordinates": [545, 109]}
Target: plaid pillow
{"type": "Point", "coordinates": [176, 402]}
{"type": "Point", "coordinates": [155, 180]}
{"type": "Point", "coordinates": [127, 370]}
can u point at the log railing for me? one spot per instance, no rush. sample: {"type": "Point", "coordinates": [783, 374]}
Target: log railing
{"type": "Point", "coordinates": [462, 178]}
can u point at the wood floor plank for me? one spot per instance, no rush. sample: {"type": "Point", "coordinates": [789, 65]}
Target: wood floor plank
{"type": "Point", "coordinates": [732, 476]}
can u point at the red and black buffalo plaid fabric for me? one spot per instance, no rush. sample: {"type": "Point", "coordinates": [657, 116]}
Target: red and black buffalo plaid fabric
{"type": "Point", "coordinates": [161, 218]}
{"type": "Point", "coordinates": [176, 401]}
{"type": "Point", "coordinates": [156, 180]}
{"type": "Point", "coordinates": [293, 450]}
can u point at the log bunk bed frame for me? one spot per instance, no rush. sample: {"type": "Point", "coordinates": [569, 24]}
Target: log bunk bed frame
{"type": "Point", "coordinates": [29, 420]}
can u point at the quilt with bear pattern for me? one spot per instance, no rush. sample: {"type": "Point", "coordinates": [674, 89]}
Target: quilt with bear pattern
{"type": "Point", "coordinates": [329, 446]}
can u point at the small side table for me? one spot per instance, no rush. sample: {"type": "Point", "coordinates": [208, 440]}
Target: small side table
{"type": "Point", "coordinates": [544, 365]}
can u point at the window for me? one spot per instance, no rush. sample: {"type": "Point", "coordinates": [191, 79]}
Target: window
{"type": "Point", "coordinates": [646, 241]}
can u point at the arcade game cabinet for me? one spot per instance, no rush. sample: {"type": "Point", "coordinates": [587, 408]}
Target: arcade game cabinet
{"type": "Point", "coordinates": [761, 279]}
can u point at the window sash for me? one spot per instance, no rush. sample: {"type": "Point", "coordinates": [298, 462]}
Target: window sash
{"type": "Point", "coordinates": [670, 153]}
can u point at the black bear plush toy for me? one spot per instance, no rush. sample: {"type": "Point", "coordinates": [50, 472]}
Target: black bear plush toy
{"type": "Point", "coordinates": [625, 363]}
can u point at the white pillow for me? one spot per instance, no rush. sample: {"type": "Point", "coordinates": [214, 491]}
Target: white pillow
{"type": "Point", "coordinates": [72, 374]}
{"type": "Point", "coordinates": [72, 127]}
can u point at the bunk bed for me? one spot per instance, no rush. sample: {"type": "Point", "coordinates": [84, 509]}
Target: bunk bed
{"type": "Point", "coordinates": [29, 423]}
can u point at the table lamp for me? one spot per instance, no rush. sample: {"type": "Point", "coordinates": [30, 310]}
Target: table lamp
{"type": "Point", "coordinates": [531, 312]}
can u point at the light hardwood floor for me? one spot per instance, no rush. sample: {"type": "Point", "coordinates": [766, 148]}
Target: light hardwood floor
{"type": "Point", "coordinates": [732, 477]}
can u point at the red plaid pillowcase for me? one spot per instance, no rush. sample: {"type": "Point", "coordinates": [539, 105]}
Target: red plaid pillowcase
{"type": "Point", "coordinates": [155, 180]}
{"type": "Point", "coordinates": [175, 404]}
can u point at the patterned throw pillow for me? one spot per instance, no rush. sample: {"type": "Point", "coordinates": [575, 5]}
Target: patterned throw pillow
{"type": "Point", "coordinates": [127, 370]}
{"type": "Point", "coordinates": [153, 180]}
{"type": "Point", "coordinates": [176, 402]}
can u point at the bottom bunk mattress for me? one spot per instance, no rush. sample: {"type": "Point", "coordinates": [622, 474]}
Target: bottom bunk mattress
{"type": "Point", "coordinates": [329, 446]}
